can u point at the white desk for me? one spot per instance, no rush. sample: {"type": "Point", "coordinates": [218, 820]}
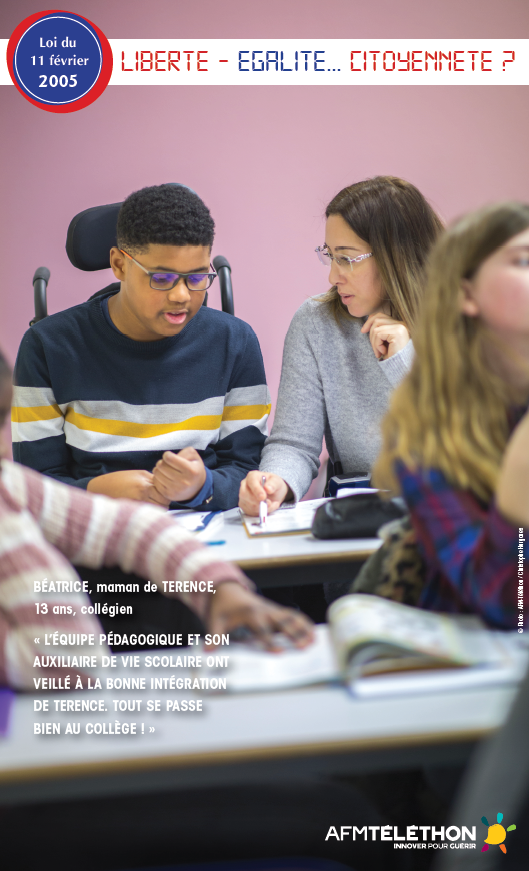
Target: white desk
{"type": "Point", "coordinates": [255, 737]}
{"type": "Point", "coordinates": [281, 560]}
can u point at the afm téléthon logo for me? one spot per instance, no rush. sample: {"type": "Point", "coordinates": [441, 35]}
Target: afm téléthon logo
{"type": "Point", "coordinates": [496, 833]}
{"type": "Point", "coordinates": [410, 837]}
{"type": "Point", "coordinates": [426, 837]}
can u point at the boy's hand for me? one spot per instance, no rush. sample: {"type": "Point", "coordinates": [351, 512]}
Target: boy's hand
{"type": "Point", "coordinates": [387, 336]}
{"type": "Point", "coordinates": [136, 484]}
{"type": "Point", "coordinates": [251, 492]}
{"type": "Point", "coordinates": [179, 477]}
{"type": "Point", "coordinates": [233, 607]}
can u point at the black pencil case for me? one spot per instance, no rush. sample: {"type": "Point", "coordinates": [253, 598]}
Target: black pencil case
{"type": "Point", "coordinates": [359, 516]}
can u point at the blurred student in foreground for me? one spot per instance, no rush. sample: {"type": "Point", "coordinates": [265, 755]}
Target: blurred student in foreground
{"type": "Point", "coordinates": [46, 526]}
{"type": "Point", "coordinates": [456, 438]}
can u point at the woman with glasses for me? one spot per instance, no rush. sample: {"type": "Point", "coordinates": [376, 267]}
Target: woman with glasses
{"type": "Point", "coordinates": [346, 350]}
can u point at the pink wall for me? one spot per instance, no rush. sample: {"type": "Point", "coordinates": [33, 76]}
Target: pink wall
{"type": "Point", "coordinates": [269, 158]}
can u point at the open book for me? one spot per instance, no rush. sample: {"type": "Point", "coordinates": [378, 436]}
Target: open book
{"type": "Point", "coordinates": [379, 647]}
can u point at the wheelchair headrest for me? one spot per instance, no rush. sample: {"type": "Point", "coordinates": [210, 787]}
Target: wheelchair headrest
{"type": "Point", "coordinates": [91, 235]}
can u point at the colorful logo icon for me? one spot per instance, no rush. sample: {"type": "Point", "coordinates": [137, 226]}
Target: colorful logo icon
{"type": "Point", "coordinates": [59, 61]}
{"type": "Point", "coordinates": [496, 833]}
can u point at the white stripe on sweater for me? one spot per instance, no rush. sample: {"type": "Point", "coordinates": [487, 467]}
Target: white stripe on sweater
{"type": "Point", "coordinates": [102, 518]}
{"type": "Point", "coordinates": [56, 504]}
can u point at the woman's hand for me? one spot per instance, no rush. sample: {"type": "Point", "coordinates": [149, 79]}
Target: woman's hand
{"type": "Point", "coordinates": [387, 336]}
{"type": "Point", "coordinates": [252, 491]}
{"type": "Point", "coordinates": [512, 492]}
{"type": "Point", "coordinates": [233, 607]}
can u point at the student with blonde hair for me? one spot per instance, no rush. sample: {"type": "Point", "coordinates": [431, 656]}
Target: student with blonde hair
{"type": "Point", "coordinates": [346, 350]}
{"type": "Point", "coordinates": [456, 438]}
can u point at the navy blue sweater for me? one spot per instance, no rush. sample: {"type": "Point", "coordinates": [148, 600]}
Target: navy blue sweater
{"type": "Point", "coordinates": [88, 400]}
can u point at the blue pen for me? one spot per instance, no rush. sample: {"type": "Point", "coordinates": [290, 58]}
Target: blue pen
{"type": "Point", "coordinates": [207, 519]}
{"type": "Point", "coordinates": [211, 543]}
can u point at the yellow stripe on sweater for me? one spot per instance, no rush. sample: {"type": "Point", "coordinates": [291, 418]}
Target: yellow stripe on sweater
{"type": "Point", "coordinates": [36, 413]}
{"type": "Point", "coordinates": [141, 430]}
{"type": "Point", "coordinates": [32, 413]}
{"type": "Point", "coordinates": [245, 412]}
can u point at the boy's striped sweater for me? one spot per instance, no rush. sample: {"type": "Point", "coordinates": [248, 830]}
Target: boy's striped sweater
{"type": "Point", "coordinates": [88, 400]}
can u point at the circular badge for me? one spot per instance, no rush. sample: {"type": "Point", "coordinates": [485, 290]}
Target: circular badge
{"type": "Point", "coordinates": [59, 61]}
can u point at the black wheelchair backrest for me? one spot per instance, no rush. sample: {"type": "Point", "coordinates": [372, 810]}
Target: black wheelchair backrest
{"type": "Point", "coordinates": [90, 237]}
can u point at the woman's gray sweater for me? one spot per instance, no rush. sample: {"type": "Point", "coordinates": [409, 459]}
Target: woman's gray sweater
{"type": "Point", "coordinates": [332, 386]}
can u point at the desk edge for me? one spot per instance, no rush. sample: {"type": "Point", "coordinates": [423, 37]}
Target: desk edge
{"type": "Point", "coordinates": [223, 757]}
{"type": "Point", "coordinates": [304, 559]}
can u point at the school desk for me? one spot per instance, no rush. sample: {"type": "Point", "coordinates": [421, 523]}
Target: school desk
{"type": "Point", "coordinates": [288, 560]}
{"type": "Point", "coordinates": [295, 734]}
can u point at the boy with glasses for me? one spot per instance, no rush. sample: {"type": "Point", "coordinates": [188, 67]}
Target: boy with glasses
{"type": "Point", "coordinates": [144, 394]}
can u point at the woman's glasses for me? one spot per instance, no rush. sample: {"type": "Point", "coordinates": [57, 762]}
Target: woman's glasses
{"type": "Point", "coordinates": [326, 257]}
{"type": "Point", "coordinates": [168, 280]}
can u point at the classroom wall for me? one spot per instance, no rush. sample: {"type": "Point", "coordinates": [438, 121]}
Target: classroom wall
{"type": "Point", "coordinates": [265, 159]}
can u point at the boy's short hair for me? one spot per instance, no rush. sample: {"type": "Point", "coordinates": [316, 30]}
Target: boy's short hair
{"type": "Point", "coordinates": [166, 214]}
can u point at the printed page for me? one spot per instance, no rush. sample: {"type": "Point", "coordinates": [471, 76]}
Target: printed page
{"type": "Point", "coordinates": [361, 621]}
{"type": "Point", "coordinates": [510, 670]}
{"type": "Point", "coordinates": [253, 669]}
{"type": "Point", "coordinates": [289, 519]}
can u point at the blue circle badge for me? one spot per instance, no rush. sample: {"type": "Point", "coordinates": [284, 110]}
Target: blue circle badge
{"type": "Point", "coordinates": [59, 61]}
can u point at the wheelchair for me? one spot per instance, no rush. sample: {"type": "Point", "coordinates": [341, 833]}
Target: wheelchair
{"type": "Point", "coordinates": [91, 234]}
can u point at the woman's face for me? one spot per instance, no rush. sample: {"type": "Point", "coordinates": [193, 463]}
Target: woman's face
{"type": "Point", "coordinates": [499, 291]}
{"type": "Point", "coordinates": [359, 286]}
